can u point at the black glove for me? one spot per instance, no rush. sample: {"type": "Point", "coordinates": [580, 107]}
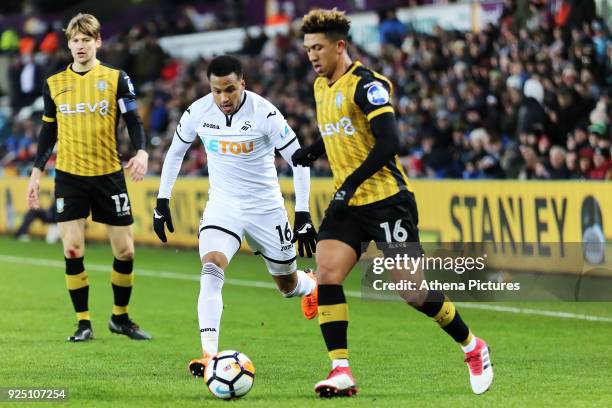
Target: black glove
{"type": "Point", "coordinates": [161, 216]}
{"type": "Point", "coordinates": [304, 233]}
{"type": "Point", "coordinates": [304, 156]}
{"type": "Point", "coordinates": [339, 203]}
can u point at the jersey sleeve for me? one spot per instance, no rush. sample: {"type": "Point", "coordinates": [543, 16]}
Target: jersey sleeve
{"type": "Point", "coordinates": [49, 109]}
{"type": "Point", "coordinates": [373, 96]}
{"type": "Point", "coordinates": [184, 135]}
{"type": "Point", "coordinates": [186, 128]}
{"type": "Point", "coordinates": [277, 129]}
{"type": "Point", "coordinates": [126, 95]}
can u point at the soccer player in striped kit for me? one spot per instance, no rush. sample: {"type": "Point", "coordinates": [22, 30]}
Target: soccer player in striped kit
{"type": "Point", "coordinates": [374, 200]}
{"type": "Point", "coordinates": [82, 105]}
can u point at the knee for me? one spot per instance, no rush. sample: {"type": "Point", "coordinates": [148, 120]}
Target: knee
{"type": "Point", "coordinates": [212, 278]}
{"type": "Point", "coordinates": [74, 251]}
{"type": "Point", "coordinates": [216, 258]}
{"type": "Point", "coordinates": [328, 272]}
{"type": "Point", "coordinates": [125, 253]}
{"type": "Point", "coordinates": [286, 283]}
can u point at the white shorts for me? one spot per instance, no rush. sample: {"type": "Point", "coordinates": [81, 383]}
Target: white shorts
{"type": "Point", "coordinates": [268, 234]}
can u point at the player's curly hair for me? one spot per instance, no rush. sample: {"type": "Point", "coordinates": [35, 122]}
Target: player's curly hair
{"type": "Point", "coordinates": [333, 23]}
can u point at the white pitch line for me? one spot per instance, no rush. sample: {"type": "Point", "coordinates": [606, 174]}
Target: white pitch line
{"type": "Point", "coordinates": [51, 263]}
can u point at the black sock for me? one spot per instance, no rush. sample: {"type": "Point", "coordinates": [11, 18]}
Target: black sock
{"type": "Point", "coordinates": [122, 318]}
{"type": "Point", "coordinates": [77, 283]}
{"type": "Point", "coordinates": [333, 320]}
{"type": "Point", "coordinates": [122, 280]}
{"type": "Point", "coordinates": [85, 324]}
{"type": "Point", "coordinates": [442, 311]}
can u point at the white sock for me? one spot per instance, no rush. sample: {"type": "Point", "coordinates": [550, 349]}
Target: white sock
{"type": "Point", "coordinates": [340, 362]}
{"type": "Point", "coordinates": [305, 285]}
{"type": "Point", "coordinates": [210, 307]}
{"type": "Point", "coordinates": [470, 346]}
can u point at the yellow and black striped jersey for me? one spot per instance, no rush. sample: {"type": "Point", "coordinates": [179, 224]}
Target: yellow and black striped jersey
{"type": "Point", "coordinates": [86, 107]}
{"type": "Point", "coordinates": [344, 111]}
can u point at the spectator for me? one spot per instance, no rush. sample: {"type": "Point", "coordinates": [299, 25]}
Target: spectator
{"type": "Point", "coordinates": [531, 114]}
{"type": "Point", "coordinates": [47, 216]}
{"type": "Point", "coordinates": [528, 172]}
{"type": "Point", "coordinates": [601, 164]}
{"type": "Point", "coordinates": [148, 61]}
{"type": "Point", "coordinates": [26, 81]}
{"type": "Point", "coordinates": [571, 163]}
{"type": "Point", "coordinates": [585, 163]}
{"type": "Point", "coordinates": [51, 42]}
{"type": "Point", "coordinates": [556, 166]}
{"type": "Point", "coordinates": [9, 41]}
{"type": "Point", "coordinates": [462, 107]}
{"type": "Point", "coordinates": [443, 133]}
{"type": "Point", "coordinates": [597, 131]}
{"type": "Point", "coordinates": [391, 30]}
{"type": "Point", "coordinates": [490, 164]}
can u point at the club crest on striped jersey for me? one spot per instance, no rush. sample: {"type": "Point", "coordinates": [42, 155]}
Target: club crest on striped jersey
{"type": "Point", "coordinates": [101, 85]}
{"type": "Point", "coordinates": [339, 99]}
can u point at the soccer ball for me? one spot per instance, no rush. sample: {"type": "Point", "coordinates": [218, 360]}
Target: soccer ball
{"type": "Point", "coordinates": [229, 374]}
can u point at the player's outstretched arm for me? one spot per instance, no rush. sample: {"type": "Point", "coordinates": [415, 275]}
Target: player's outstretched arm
{"type": "Point", "coordinates": [305, 156]}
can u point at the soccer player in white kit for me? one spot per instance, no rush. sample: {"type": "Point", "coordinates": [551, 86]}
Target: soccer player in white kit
{"type": "Point", "coordinates": [240, 131]}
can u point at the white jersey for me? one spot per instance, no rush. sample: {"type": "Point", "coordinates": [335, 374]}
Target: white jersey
{"type": "Point", "coordinates": [240, 150]}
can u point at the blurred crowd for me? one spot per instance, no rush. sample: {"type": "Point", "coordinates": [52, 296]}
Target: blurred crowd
{"type": "Point", "coordinates": [528, 98]}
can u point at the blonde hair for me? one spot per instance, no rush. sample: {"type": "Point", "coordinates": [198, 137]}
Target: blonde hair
{"type": "Point", "coordinates": [85, 24]}
{"type": "Point", "coordinates": [333, 23]}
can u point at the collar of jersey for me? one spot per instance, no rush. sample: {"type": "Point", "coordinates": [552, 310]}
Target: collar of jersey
{"type": "Point", "coordinates": [228, 118]}
{"type": "Point", "coordinates": [86, 73]}
{"type": "Point", "coordinates": [352, 67]}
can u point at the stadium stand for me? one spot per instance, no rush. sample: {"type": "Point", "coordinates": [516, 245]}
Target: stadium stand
{"type": "Point", "coordinates": [529, 98]}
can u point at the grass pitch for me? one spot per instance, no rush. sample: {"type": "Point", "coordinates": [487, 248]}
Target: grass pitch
{"type": "Point", "coordinates": [399, 357]}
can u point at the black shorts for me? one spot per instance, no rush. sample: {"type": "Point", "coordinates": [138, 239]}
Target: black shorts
{"type": "Point", "coordinates": [105, 195]}
{"type": "Point", "coordinates": [394, 219]}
